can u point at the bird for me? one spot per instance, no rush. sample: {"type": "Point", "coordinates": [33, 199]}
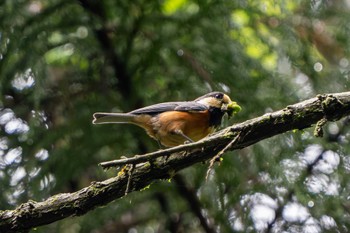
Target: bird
{"type": "Point", "coordinates": [176, 123]}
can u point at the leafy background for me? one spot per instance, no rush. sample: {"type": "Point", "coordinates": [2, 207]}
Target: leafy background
{"type": "Point", "coordinates": [61, 61]}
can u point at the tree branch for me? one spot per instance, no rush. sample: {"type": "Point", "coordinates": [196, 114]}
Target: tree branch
{"type": "Point", "coordinates": [190, 196]}
{"type": "Point", "coordinates": [165, 163]}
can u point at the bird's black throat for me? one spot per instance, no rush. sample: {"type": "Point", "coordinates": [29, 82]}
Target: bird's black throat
{"type": "Point", "coordinates": [215, 116]}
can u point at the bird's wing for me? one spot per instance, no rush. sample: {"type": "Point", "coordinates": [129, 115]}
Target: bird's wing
{"type": "Point", "coordinates": [189, 106]}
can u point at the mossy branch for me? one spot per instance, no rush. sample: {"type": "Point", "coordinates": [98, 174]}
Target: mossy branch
{"type": "Point", "coordinates": [141, 170]}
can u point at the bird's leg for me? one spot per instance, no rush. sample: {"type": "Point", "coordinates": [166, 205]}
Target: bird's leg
{"type": "Point", "coordinates": [161, 147]}
{"type": "Point", "coordinates": [179, 132]}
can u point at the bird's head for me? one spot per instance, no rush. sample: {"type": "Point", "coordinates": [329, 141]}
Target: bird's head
{"type": "Point", "coordinates": [221, 101]}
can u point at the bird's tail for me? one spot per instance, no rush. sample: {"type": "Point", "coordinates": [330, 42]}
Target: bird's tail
{"type": "Point", "coordinates": [107, 118]}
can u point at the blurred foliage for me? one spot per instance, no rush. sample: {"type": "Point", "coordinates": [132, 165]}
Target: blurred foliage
{"type": "Point", "coordinates": [61, 61]}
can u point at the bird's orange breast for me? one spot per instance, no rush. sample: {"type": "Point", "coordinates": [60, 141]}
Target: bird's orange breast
{"type": "Point", "coordinates": [163, 126]}
{"type": "Point", "coordinates": [194, 125]}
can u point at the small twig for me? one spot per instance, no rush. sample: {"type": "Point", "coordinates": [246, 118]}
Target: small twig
{"type": "Point", "coordinates": [153, 155]}
{"type": "Point", "coordinates": [318, 132]}
{"type": "Point", "coordinates": [217, 157]}
{"type": "Point", "coordinates": [131, 170]}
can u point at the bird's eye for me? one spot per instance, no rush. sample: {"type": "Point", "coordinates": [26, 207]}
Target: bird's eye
{"type": "Point", "coordinates": [219, 96]}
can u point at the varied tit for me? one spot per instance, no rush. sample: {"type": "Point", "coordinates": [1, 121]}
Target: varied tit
{"type": "Point", "coordinates": [174, 123]}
